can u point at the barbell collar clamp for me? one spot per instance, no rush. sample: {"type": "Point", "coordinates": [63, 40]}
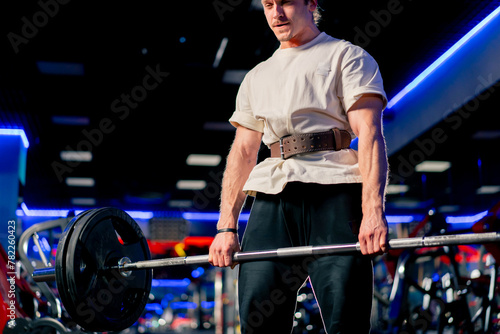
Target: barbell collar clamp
{"type": "Point", "coordinates": [44, 274]}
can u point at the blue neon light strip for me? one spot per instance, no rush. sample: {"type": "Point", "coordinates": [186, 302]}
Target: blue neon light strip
{"type": "Point", "coordinates": [171, 283]}
{"type": "Point", "coordinates": [207, 305]}
{"type": "Point", "coordinates": [40, 213]}
{"type": "Point", "coordinates": [466, 219]}
{"type": "Point", "coordinates": [183, 305]}
{"type": "Point", "coordinates": [16, 132]}
{"type": "Point", "coordinates": [154, 307]}
{"type": "Point", "coordinates": [209, 216]}
{"type": "Point", "coordinates": [179, 305]}
{"type": "Point", "coordinates": [140, 214]}
{"type": "Point", "coordinates": [133, 214]}
{"type": "Point", "coordinates": [25, 211]}
{"type": "Point", "coordinates": [400, 219]}
{"type": "Point", "coordinates": [447, 55]}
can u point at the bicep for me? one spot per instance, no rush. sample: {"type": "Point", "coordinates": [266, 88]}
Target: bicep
{"type": "Point", "coordinates": [366, 113]}
{"type": "Point", "coordinates": [247, 140]}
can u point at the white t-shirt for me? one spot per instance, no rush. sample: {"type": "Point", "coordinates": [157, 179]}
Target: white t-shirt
{"type": "Point", "coordinates": [306, 89]}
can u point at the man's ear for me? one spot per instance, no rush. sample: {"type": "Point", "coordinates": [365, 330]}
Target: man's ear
{"type": "Point", "coordinates": [313, 4]}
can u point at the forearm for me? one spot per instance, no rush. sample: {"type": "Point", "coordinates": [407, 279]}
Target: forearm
{"type": "Point", "coordinates": [365, 118]}
{"type": "Point", "coordinates": [232, 196]}
{"type": "Point", "coordinates": [373, 167]}
{"type": "Point", "coordinates": [241, 160]}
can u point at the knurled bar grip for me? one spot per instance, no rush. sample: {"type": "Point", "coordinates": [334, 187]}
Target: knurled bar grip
{"type": "Point", "coordinates": [48, 274]}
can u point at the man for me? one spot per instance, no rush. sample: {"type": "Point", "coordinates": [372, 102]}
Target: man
{"type": "Point", "coordinates": [314, 189]}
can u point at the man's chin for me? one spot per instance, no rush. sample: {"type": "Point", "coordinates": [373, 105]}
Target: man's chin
{"type": "Point", "coordinates": [283, 37]}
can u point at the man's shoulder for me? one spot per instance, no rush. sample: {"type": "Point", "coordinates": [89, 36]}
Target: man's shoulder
{"type": "Point", "coordinates": [341, 45]}
{"type": "Point", "coordinates": [257, 68]}
{"type": "Point", "coordinates": [345, 50]}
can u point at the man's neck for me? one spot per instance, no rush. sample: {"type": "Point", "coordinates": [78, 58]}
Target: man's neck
{"type": "Point", "coordinates": [301, 38]}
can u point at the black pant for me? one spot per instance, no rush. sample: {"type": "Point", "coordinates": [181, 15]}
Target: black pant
{"type": "Point", "coordinates": [301, 215]}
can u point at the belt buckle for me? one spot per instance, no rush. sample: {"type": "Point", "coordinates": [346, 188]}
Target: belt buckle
{"type": "Point", "coordinates": [282, 153]}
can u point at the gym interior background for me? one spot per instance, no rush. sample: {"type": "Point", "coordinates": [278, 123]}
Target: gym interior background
{"type": "Point", "coordinates": [125, 104]}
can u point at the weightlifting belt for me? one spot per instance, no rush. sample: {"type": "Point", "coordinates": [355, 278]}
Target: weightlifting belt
{"type": "Point", "coordinates": [332, 140]}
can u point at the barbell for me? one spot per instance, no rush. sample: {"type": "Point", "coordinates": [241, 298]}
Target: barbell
{"type": "Point", "coordinates": [103, 267]}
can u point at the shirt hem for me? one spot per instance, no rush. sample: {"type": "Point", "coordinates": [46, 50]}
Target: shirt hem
{"type": "Point", "coordinates": [253, 190]}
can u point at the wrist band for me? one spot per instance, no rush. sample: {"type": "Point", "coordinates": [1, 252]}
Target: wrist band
{"type": "Point", "coordinates": [233, 230]}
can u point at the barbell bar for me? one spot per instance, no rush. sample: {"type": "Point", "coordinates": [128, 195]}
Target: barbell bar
{"type": "Point", "coordinates": [124, 266]}
{"type": "Point", "coordinates": [103, 267]}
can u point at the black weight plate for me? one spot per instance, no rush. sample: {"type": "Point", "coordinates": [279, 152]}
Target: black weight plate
{"type": "Point", "coordinates": [96, 297]}
{"type": "Point", "coordinates": [61, 255]}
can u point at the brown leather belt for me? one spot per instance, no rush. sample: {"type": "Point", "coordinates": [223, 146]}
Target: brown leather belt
{"type": "Point", "coordinates": [291, 145]}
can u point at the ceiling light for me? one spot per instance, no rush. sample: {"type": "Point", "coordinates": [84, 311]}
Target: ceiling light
{"type": "Point", "coordinates": [71, 120]}
{"type": "Point", "coordinates": [76, 156]}
{"type": "Point", "coordinates": [60, 68]}
{"type": "Point", "coordinates": [448, 208]}
{"type": "Point", "coordinates": [393, 189]}
{"type": "Point", "coordinates": [83, 201]}
{"type": "Point", "coordinates": [203, 160]}
{"type": "Point", "coordinates": [433, 166]}
{"type": "Point", "coordinates": [405, 203]}
{"type": "Point", "coordinates": [234, 76]}
{"type": "Point", "coordinates": [191, 184]}
{"type": "Point", "coordinates": [486, 135]}
{"type": "Point", "coordinates": [220, 52]}
{"type": "Point", "coordinates": [80, 181]}
{"type": "Point", "coordinates": [487, 190]}
{"type": "Point", "coordinates": [218, 126]}
{"type": "Point", "coordinates": [179, 203]}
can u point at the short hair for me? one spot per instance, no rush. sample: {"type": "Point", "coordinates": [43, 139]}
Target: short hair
{"type": "Point", "coordinates": [316, 14]}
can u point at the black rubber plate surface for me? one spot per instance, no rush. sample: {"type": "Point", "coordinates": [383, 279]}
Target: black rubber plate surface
{"type": "Point", "coordinates": [98, 298]}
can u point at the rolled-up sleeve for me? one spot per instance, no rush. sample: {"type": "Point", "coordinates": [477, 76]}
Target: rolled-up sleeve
{"type": "Point", "coordinates": [243, 115]}
{"type": "Point", "coordinates": [360, 74]}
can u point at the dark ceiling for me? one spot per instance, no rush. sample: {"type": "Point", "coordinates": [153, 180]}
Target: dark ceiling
{"type": "Point", "coordinates": [140, 138]}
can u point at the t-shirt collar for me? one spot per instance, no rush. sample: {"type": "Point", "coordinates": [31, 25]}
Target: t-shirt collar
{"type": "Point", "coordinates": [312, 42]}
